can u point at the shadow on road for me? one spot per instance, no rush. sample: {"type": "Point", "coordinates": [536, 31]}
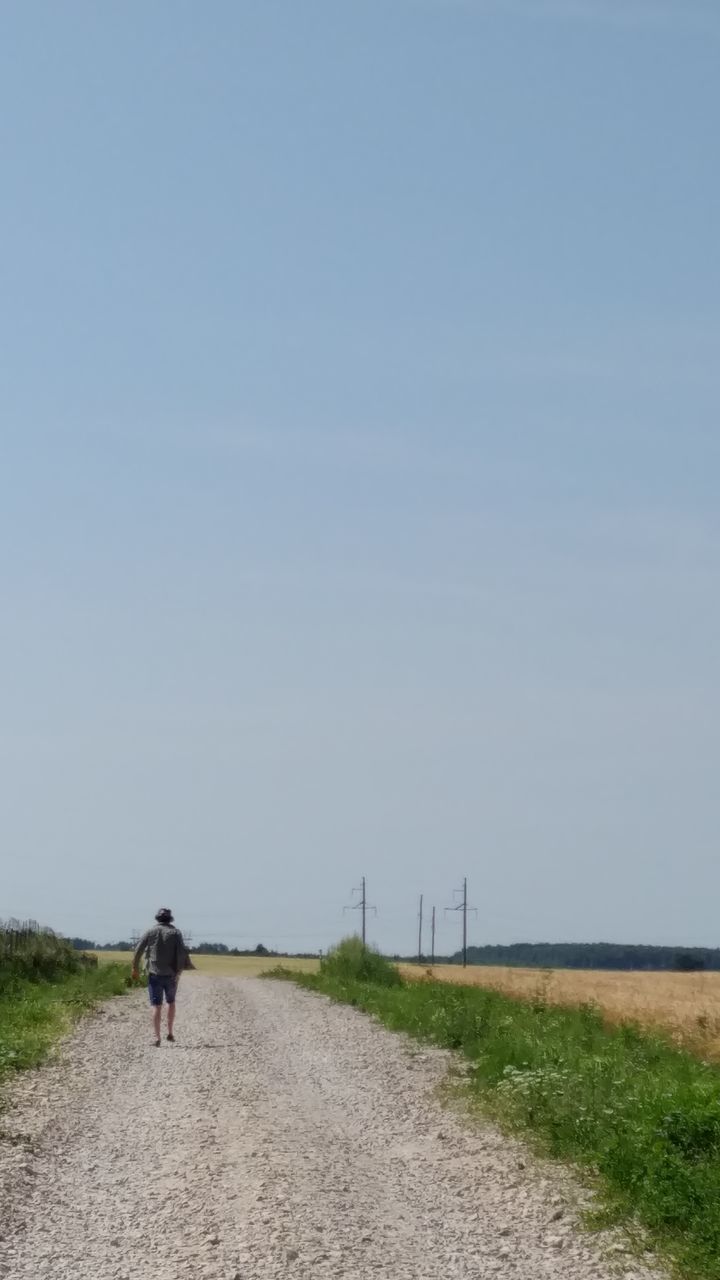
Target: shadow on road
{"type": "Point", "coordinates": [195, 1048]}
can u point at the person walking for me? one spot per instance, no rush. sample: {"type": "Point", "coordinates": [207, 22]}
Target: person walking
{"type": "Point", "coordinates": [167, 956]}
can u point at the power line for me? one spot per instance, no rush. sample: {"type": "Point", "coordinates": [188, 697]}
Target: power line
{"type": "Point", "coordinates": [363, 906]}
{"type": "Point", "coordinates": [463, 906]}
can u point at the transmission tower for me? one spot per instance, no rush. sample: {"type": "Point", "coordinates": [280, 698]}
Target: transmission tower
{"type": "Point", "coordinates": [362, 905]}
{"type": "Point", "coordinates": [463, 906]}
{"type": "Point", "coordinates": [420, 929]}
{"type": "Point", "coordinates": [432, 931]}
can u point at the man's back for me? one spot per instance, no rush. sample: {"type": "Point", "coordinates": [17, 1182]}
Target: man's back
{"type": "Point", "coordinates": [165, 949]}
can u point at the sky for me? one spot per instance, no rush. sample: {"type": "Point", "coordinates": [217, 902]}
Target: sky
{"type": "Point", "coordinates": [359, 467]}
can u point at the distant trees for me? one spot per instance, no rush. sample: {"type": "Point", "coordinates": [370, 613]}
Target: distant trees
{"type": "Point", "coordinates": [688, 962]}
{"type": "Point", "coordinates": [219, 949]}
{"type": "Point", "coordinates": [202, 949]}
{"type": "Point", "coordinates": [528, 955]}
{"type": "Point", "coordinates": [592, 955]}
{"type": "Point", "coordinates": [85, 944]}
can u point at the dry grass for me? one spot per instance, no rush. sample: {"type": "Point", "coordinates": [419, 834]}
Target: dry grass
{"type": "Point", "coordinates": [225, 966]}
{"type": "Point", "coordinates": [685, 1004]}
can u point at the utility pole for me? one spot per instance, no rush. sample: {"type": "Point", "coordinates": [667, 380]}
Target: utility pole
{"type": "Point", "coordinates": [463, 906]}
{"type": "Point", "coordinates": [420, 916]}
{"type": "Point", "coordinates": [464, 911]}
{"type": "Point", "coordinates": [364, 906]}
{"type": "Point", "coordinates": [432, 952]}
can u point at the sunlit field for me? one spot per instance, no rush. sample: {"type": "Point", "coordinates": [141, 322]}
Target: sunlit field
{"type": "Point", "coordinates": [686, 1004]}
{"type": "Point", "coordinates": [225, 966]}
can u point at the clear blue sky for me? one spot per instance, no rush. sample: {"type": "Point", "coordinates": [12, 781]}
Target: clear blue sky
{"type": "Point", "coordinates": [359, 396]}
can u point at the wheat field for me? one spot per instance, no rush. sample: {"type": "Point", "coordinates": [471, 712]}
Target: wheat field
{"type": "Point", "coordinates": [225, 966]}
{"type": "Point", "coordinates": [685, 1004]}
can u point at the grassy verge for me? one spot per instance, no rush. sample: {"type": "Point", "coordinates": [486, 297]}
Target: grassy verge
{"type": "Point", "coordinates": [44, 986]}
{"type": "Point", "coordinates": [624, 1104]}
{"type": "Point", "coordinates": [33, 1015]}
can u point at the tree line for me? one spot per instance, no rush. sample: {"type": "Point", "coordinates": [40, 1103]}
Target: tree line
{"type": "Point", "coordinates": [201, 949]}
{"type": "Point", "coordinates": [591, 955]}
{"type": "Point", "coordinates": [526, 955]}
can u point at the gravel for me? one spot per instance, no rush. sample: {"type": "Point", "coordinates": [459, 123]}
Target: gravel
{"type": "Point", "coordinates": [281, 1136]}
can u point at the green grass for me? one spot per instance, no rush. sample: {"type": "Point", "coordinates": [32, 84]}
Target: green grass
{"type": "Point", "coordinates": [640, 1115]}
{"type": "Point", "coordinates": [44, 986]}
{"type": "Point", "coordinates": [33, 1015]}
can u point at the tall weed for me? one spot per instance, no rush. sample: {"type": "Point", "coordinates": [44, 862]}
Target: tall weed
{"type": "Point", "coordinates": [30, 953]}
{"type": "Point", "coordinates": [352, 961]}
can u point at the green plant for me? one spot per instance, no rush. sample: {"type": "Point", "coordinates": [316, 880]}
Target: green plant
{"type": "Point", "coordinates": [352, 961]}
{"type": "Point", "coordinates": [281, 972]}
{"type": "Point", "coordinates": [34, 1014]}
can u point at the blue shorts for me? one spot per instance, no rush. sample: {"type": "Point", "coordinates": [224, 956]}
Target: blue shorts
{"type": "Point", "coordinates": [160, 984]}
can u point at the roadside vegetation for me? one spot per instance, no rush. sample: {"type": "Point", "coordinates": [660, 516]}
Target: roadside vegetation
{"type": "Point", "coordinates": [45, 984]}
{"type": "Point", "coordinates": [685, 1005]}
{"type": "Point", "coordinates": [640, 1115]}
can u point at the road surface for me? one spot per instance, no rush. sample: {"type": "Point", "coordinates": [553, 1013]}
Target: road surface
{"type": "Point", "coordinates": [281, 1136]}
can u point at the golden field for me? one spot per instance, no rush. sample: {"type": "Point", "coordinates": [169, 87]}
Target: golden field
{"type": "Point", "coordinates": [685, 1004]}
{"type": "Point", "coordinates": [224, 966]}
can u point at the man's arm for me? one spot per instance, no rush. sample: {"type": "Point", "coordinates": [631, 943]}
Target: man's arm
{"type": "Point", "coordinates": [140, 951]}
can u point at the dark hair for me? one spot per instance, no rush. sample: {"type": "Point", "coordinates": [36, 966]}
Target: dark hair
{"type": "Point", "coordinates": [164, 915]}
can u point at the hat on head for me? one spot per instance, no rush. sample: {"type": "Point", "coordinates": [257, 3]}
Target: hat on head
{"type": "Point", "coordinates": [164, 915]}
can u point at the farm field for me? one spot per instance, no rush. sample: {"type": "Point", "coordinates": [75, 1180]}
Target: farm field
{"type": "Point", "coordinates": [685, 1004]}
{"type": "Point", "coordinates": [225, 966]}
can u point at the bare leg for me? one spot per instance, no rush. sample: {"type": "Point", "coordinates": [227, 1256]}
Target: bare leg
{"type": "Point", "coordinates": [171, 1017]}
{"type": "Point", "coordinates": [157, 1015]}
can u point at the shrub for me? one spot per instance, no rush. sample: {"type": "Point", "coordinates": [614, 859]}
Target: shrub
{"type": "Point", "coordinates": [352, 961]}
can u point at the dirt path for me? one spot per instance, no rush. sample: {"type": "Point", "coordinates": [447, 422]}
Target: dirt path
{"type": "Point", "coordinates": [280, 1137]}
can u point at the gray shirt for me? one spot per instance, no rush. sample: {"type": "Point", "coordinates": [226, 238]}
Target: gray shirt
{"type": "Point", "coordinates": [165, 948]}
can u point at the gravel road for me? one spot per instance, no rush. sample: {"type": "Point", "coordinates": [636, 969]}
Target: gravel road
{"type": "Point", "coordinates": [281, 1136]}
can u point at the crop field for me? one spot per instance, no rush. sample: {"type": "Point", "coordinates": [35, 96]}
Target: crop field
{"type": "Point", "coordinates": [225, 966]}
{"type": "Point", "coordinates": [685, 1004]}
